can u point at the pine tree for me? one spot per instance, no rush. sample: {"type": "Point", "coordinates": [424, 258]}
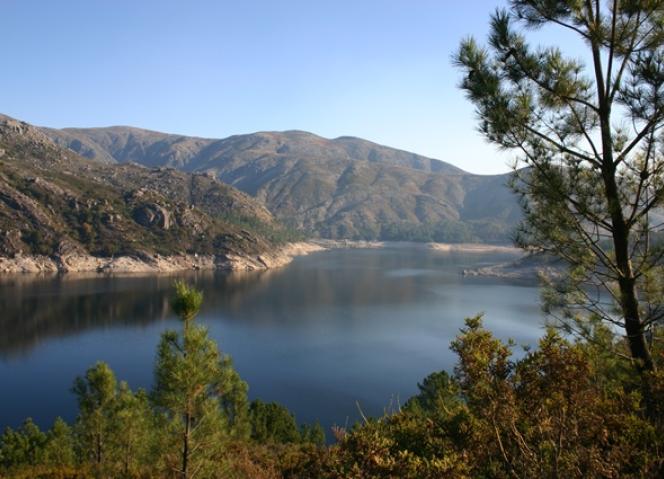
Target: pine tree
{"type": "Point", "coordinates": [59, 449]}
{"type": "Point", "coordinates": [96, 395]}
{"type": "Point", "coordinates": [132, 430]}
{"type": "Point", "coordinates": [24, 446]}
{"type": "Point", "coordinates": [312, 434]}
{"type": "Point", "coordinates": [272, 422]}
{"type": "Point", "coordinates": [201, 398]}
{"type": "Point", "coordinates": [591, 139]}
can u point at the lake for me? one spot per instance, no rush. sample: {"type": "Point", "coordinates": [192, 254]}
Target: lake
{"type": "Point", "coordinates": [328, 332]}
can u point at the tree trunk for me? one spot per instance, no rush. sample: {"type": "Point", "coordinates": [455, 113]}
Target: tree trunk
{"type": "Point", "coordinates": [125, 466]}
{"type": "Point", "coordinates": [98, 448]}
{"type": "Point", "coordinates": [635, 334]}
{"type": "Point", "coordinates": [187, 415]}
{"type": "Point", "coordinates": [629, 302]}
{"type": "Point", "coordinates": [185, 448]}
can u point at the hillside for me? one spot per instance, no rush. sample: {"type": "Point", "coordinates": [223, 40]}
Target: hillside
{"type": "Point", "coordinates": [54, 202]}
{"type": "Point", "coordinates": [340, 188]}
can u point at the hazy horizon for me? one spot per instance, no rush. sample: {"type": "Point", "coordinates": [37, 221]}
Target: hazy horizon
{"type": "Point", "coordinates": [380, 70]}
{"type": "Point", "coordinates": [175, 133]}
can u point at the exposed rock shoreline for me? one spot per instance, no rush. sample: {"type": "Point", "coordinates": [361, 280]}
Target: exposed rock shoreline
{"type": "Point", "coordinates": [444, 247]}
{"type": "Point", "coordinates": [147, 263]}
{"type": "Point", "coordinates": [530, 267]}
{"type": "Point", "coordinates": [78, 263]}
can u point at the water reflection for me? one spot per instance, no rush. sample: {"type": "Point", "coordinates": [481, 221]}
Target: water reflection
{"type": "Point", "coordinates": [329, 330]}
{"type": "Point", "coordinates": [36, 307]}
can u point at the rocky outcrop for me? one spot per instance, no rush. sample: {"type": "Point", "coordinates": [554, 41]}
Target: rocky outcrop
{"type": "Point", "coordinates": [59, 211]}
{"type": "Point", "coordinates": [153, 215]}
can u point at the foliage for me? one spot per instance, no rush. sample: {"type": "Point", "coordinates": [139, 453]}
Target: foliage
{"type": "Point", "coordinates": [273, 423]}
{"type": "Point", "coordinates": [544, 415]}
{"type": "Point", "coordinates": [276, 233]}
{"type": "Point", "coordinates": [186, 302]}
{"type": "Point", "coordinates": [95, 394]}
{"type": "Point", "coordinates": [441, 232]}
{"type": "Point", "coordinates": [200, 398]}
{"type": "Point", "coordinates": [312, 434]}
{"type": "Point", "coordinates": [437, 391]}
{"type": "Point", "coordinates": [591, 140]}
{"type": "Point", "coordinates": [560, 411]}
{"type": "Point", "coordinates": [59, 449]}
{"type": "Point", "coordinates": [132, 432]}
{"type": "Point", "coordinates": [23, 446]}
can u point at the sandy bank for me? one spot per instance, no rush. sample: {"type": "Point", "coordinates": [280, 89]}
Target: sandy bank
{"type": "Point", "coordinates": [349, 244]}
{"type": "Point", "coordinates": [473, 248]}
{"type": "Point", "coordinates": [444, 247]}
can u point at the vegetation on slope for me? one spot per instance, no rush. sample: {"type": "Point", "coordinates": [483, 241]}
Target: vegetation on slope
{"type": "Point", "coordinates": [342, 188]}
{"type": "Point", "coordinates": [53, 202]}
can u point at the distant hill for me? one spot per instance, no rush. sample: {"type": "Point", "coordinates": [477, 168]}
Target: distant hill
{"type": "Point", "coordinates": [55, 202]}
{"type": "Point", "coordinates": [341, 188]}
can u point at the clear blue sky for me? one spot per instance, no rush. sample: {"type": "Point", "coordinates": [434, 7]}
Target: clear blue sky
{"type": "Point", "coordinates": [377, 69]}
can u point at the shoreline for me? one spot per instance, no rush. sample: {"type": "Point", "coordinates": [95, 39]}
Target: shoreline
{"type": "Point", "coordinates": [154, 263]}
{"type": "Point", "coordinates": [443, 247]}
{"type": "Point", "coordinates": [474, 248]}
{"type": "Point", "coordinates": [78, 263]}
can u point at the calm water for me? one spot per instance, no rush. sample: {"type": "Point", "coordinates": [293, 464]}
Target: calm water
{"type": "Point", "coordinates": [331, 329]}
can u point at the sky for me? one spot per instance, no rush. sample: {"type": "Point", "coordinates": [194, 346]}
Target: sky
{"type": "Point", "coordinates": [375, 69]}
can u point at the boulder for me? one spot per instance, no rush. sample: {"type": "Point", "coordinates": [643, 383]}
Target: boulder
{"type": "Point", "coordinates": [153, 215]}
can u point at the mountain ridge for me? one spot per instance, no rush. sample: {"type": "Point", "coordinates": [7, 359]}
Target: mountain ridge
{"type": "Point", "coordinates": [58, 204]}
{"type": "Point", "coordinates": [344, 187]}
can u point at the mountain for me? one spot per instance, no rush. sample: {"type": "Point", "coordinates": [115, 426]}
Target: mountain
{"type": "Point", "coordinates": [55, 202]}
{"type": "Point", "coordinates": [340, 188]}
